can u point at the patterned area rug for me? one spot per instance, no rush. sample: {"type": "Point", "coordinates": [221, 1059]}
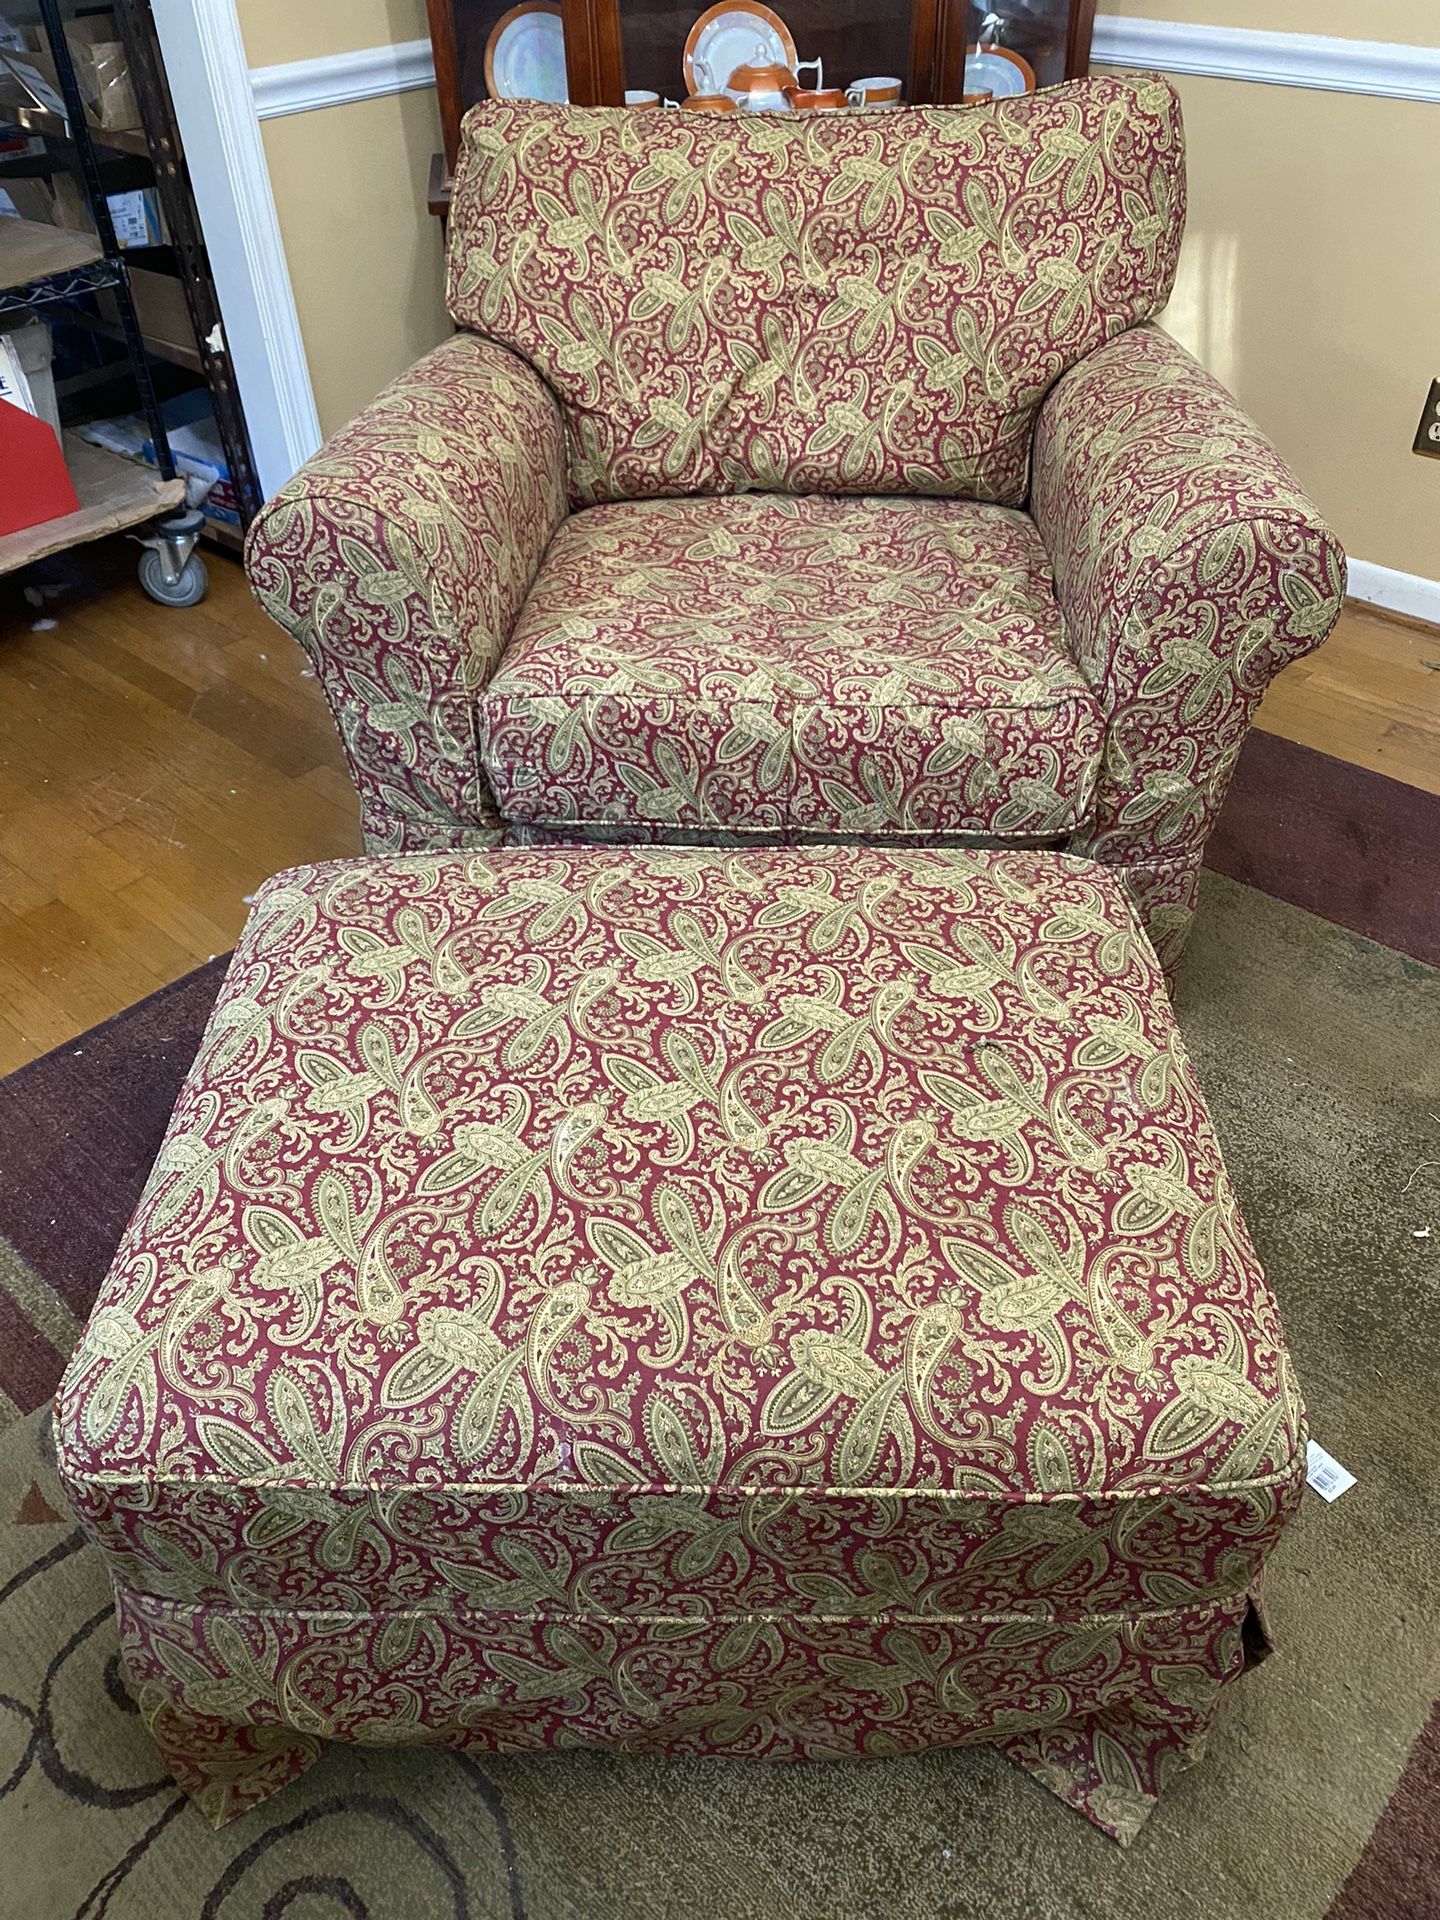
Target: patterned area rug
{"type": "Point", "coordinates": [1318, 1796]}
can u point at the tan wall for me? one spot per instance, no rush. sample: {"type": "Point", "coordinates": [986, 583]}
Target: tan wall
{"type": "Point", "coordinates": [350, 183]}
{"type": "Point", "coordinates": [1305, 286]}
{"type": "Point", "coordinates": [1410, 22]}
{"type": "Point", "coordinates": [279, 30]}
{"type": "Point", "coordinates": [364, 252]}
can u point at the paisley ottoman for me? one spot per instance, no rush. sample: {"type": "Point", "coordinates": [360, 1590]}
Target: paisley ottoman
{"type": "Point", "coordinates": [781, 1303]}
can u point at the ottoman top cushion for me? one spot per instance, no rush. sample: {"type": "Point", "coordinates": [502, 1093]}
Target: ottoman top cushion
{"type": "Point", "coordinates": [657, 1168]}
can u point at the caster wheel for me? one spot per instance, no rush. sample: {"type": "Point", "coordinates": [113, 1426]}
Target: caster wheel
{"type": "Point", "coordinates": [186, 591]}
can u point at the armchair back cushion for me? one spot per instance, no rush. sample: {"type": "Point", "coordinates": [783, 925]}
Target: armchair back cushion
{"type": "Point", "coordinates": [860, 302]}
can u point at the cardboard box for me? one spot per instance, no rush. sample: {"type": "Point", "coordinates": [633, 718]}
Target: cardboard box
{"type": "Point", "coordinates": [194, 446]}
{"type": "Point", "coordinates": [102, 71]}
{"type": "Point", "coordinates": [137, 218]}
{"type": "Point", "coordinates": [58, 202]}
{"type": "Point", "coordinates": [28, 338]}
{"type": "Point", "coordinates": [161, 309]}
{"type": "Point", "coordinates": [196, 450]}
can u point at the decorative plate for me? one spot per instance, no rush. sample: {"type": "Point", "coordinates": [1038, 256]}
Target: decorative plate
{"type": "Point", "coordinates": [525, 54]}
{"type": "Point", "coordinates": [999, 71]}
{"type": "Point", "coordinates": [736, 33]}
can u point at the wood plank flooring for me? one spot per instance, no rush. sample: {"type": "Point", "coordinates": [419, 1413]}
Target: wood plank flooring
{"type": "Point", "coordinates": [157, 764]}
{"type": "Point", "coordinates": [1371, 695]}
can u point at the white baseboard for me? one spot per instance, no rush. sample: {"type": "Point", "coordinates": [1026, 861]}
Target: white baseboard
{"type": "Point", "coordinates": [1408, 593]}
{"type": "Point", "coordinates": [300, 86]}
{"type": "Point", "coordinates": [1276, 59]}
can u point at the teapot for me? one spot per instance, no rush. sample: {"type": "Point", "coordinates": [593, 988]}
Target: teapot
{"type": "Point", "coordinates": [765, 87]}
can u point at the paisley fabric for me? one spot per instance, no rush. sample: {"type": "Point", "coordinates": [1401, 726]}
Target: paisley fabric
{"type": "Point", "coordinates": [399, 557]}
{"type": "Point", "coordinates": [863, 304]}
{"type": "Point", "coordinates": [772, 665]}
{"type": "Point", "coordinates": [784, 1303]}
{"type": "Point", "coordinates": [815, 303]}
{"type": "Point", "coordinates": [1138, 1690]}
{"type": "Point", "coordinates": [1163, 894]}
{"type": "Point", "coordinates": [1190, 569]}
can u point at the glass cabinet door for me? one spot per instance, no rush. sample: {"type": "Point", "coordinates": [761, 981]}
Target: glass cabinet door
{"type": "Point", "coordinates": [675, 49]}
{"type": "Point", "coordinates": [930, 50]}
{"type": "Point", "coordinates": [495, 48]}
{"type": "Point", "coordinates": [658, 52]}
{"type": "Point", "coordinates": [1036, 32]}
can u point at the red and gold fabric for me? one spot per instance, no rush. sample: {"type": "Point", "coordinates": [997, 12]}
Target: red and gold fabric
{"type": "Point", "coordinates": [1189, 569]}
{"type": "Point", "coordinates": [781, 666]}
{"type": "Point", "coordinates": [815, 303]}
{"type": "Point", "coordinates": [784, 1303]}
{"type": "Point", "coordinates": [808, 478]}
{"type": "Point", "coordinates": [399, 558]}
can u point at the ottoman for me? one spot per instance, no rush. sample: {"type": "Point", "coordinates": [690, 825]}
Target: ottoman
{"type": "Point", "coordinates": [782, 1303]}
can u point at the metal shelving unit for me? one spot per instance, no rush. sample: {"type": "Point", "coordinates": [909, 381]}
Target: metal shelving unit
{"type": "Point", "coordinates": [59, 271]}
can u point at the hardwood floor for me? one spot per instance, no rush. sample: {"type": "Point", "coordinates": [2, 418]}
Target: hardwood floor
{"type": "Point", "coordinates": [1371, 695]}
{"type": "Point", "coordinates": [156, 765]}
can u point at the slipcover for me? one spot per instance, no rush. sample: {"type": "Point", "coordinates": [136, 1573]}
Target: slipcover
{"type": "Point", "coordinates": [762, 664]}
{"type": "Point", "coordinates": [815, 303]}
{"type": "Point", "coordinates": [780, 1303]}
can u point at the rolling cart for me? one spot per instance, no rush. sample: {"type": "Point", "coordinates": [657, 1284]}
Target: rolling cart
{"type": "Point", "coordinates": [60, 271]}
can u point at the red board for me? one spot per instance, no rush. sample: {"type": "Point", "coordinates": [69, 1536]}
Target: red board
{"type": "Point", "coordinates": [34, 483]}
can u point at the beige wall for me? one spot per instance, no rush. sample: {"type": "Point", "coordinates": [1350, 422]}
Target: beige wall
{"type": "Point", "coordinates": [1409, 22]}
{"type": "Point", "coordinates": [1307, 286]}
{"type": "Point", "coordinates": [350, 184]}
{"type": "Point", "coordinates": [1307, 282]}
{"type": "Point", "coordinates": [364, 252]}
{"type": "Point", "coordinates": [278, 30]}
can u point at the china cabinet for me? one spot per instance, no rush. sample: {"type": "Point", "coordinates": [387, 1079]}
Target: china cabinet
{"type": "Point", "coordinates": [660, 53]}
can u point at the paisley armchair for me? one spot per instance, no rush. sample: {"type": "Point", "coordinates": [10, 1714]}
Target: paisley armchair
{"type": "Point", "coordinates": [808, 477]}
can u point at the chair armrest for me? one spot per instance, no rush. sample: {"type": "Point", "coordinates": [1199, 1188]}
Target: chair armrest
{"type": "Point", "coordinates": [399, 558]}
{"type": "Point", "coordinates": [1189, 568]}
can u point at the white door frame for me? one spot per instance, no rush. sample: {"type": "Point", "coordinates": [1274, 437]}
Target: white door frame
{"type": "Point", "coordinates": [215, 107]}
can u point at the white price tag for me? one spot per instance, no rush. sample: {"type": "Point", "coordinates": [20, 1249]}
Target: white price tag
{"type": "Point", "coordinates": [1326, 1475]}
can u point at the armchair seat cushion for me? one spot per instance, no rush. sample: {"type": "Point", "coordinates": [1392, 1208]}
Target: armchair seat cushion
{"type": "Point", "coordinates": [789, 666]}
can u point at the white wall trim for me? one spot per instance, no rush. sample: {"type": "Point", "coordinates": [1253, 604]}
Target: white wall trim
{"type": "Point", "coordinates": [1408, 593]}
{"type": "Point", "coordinates": [300, 86]}
{"type": "Point", "coordinates": [1312, 60]}
{"type": "Point", "coordinates": [210, 81]}
{"type": "Point", "coordinates": [1276, 59]}
{"type": "Point", "coordinates": [1394, 71]}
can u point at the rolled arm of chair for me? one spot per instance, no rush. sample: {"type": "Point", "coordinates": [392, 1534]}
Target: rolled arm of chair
{"type": "Point", "coordinates": [399, 558]}
{"type": "Point", "coordinates": [1190, 569]}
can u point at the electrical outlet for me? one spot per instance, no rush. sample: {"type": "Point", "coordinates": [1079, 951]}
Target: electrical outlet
{"type": "Point", "coordinates": [1427, 434]}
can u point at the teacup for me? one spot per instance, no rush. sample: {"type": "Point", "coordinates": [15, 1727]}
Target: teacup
{"type": "Point", "coordinates": [816, 99]}
{"type": "Point", "coordinates": [882, 90]}
{"type": "Point", "coordinates": [641, 98]}
{"type": "Point", "coordinates": [709, 103]}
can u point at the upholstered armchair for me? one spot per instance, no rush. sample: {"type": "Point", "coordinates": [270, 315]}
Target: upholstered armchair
{"type": "Point", "coordinates": [813, 477]}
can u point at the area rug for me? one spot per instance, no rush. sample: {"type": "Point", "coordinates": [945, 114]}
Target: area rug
{"type": "Point", "coordinates": [1339, 840]}
{"type": "Point", "coordinates": [1318, 1795]}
